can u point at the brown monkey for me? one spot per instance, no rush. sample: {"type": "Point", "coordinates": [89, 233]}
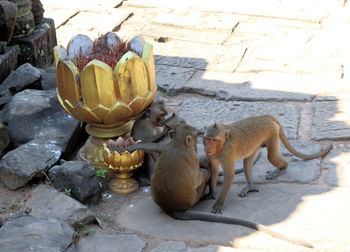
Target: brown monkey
{"type": "Point", "coordinates": [145, 128]}
{"type": "Point", "coordinates": [227, 143]}
{"type": "Point", "coordinates": [178, 183]}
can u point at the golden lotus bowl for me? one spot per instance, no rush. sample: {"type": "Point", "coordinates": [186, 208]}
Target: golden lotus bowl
{"type": "Point", "coordinates": [123, 164]}
{"type": "Point", "coordinates": [102, 96]}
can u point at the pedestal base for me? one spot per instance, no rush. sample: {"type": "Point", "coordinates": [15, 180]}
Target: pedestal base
{"type": "Point", "coordinates": [123, 184]}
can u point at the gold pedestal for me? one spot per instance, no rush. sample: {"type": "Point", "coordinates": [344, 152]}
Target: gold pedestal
{"type": "Point", "coordinates": [123, 183]}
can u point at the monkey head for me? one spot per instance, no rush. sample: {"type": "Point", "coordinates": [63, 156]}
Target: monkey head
{"type": "Point", "coordinates": [156, 113]}
{"type": "Point", "coordinates": [173, 122]}
{"type": "Point", "coordinates": [215, 136]}
{"type": "Point", "coordinates": [186, 136]}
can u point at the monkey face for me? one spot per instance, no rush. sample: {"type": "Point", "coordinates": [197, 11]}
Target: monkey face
{"type": "Point", "coordinates": [158, 113]}
{"type": "Point", "coordinates": [214, 139]}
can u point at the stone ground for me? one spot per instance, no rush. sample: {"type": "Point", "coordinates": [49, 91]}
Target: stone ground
{"type": "Point", "coordinates": [222, 61]}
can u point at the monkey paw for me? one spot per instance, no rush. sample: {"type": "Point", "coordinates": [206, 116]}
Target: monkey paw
{"type": "Point", "coordinates": [209, 196]}
{"type": "Point", "coordinates": [217, 209]}
{"type": "Point", "coordinates": [274, 174]}
{"type": "Point", "coordinates": [247, 189]}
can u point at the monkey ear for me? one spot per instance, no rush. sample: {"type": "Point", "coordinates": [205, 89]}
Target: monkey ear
{"type": "Point", "coordinates": [188, 140]}
{"type": "Point", "coordinates": [148, 112]}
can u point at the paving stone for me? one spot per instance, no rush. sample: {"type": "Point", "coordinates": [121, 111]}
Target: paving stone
{"type": "Point", "coordinates": [92, 24]}
{"type": "Point", "coordinates": [200, 112]}
{"type": "Point", "coordinates": [250, 87]}
{"type": "Point", "coordinates": [37, 49]}
{"type": "Point", "coordinates": [198, 55]}
{"type": "Point", "coordinates": [104, 243]}
{"type": "Point", "coordinates": [197, 20]}
{"type": "Point", "coordinates": [8, 62]}
{"type": "Point", "coordinates": [46, 202]}
{"type": "Point", "coordinates": [295, 204]}
{"type": "Point", "coordinates": [337, 165]}
{"type": "Point", "coordinates": [298, 171]}
{"type": "Point", "coordinates": [216, 248]}
{"type": "Point", "coordinates": [167, 77]}
{"type": "Point", "coordinates": [28, 233]}
{"type": "Point", "coordinates": [170, 246]}
{"type": "Point", "coordinates": [213, 37]}
{"type": "Point", "coordinates": [331, 121]}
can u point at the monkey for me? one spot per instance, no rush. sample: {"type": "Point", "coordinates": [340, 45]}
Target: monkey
{"type": "Point", "coordinates": [227, 143]}
{"type": "Point", "coordinates": [179, 183]}
{"type": "Point", "coordinates": [145, 128]}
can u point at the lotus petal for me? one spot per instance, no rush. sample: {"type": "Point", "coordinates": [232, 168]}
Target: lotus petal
{"type": "Point", "coordinates": [136, 44]}
{"type": "Point", "coordinates": [126, 160]}
{"type": "Point", "coordinates": [137, 104]}
{"type": "Point", "coordinates": [97, 87]}
{"type": "Point", "coordinates": [111, 39]}
{"type": "Point", "coordinates": [79, 44]}
{"type": "Point", "coordinates": [147, 57]}
{"type": "Point", "coordinates": [123, 59]}
{"type": "Point", "coordinates": [119, 112]}
{"type": "Point", "coordinates": [59, 53]}
{"type": "Point", "coordinates": [132, 79]}
{"type": "Point", "coordinates": [67, 85]}
{"type": "Point", "coordinates": [66, 108]}
{"type": "Point", "coordinates": [83, 113]}
{"type": "Point", "coordinates": [149, 98]}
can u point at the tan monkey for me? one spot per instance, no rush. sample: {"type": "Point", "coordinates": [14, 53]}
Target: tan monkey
{"type": "Point", "coordinates": [227, 143]}
{"type": "Point", "coordinates": [178, 183]}
{"type": "Point", "coordinates": [145, 128]}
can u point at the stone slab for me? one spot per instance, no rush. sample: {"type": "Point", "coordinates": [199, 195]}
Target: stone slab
{"type": "Point", "coordinates": [198, 55]}
{"type": "Point", "coordinates": [106, 243]}
{"type": "Point", "coordinates": [8, 62]}
{"type": "Point", "coordinates": [197, 20]}
{"type": "Point", "coordinates": [284, 208]}
{"type": "Point", "coordinates": [200, 112]}
{"type": "Point", "coordinates": [331, 120]}
{"type": "Point", "coordinates": [37, 49]}
{"type": "Point", "coordinates": [167, 77]}
{"type": "Point", "coordinates": [337, 166]}
{"type": "Point", "coordinates": [92, 24]}
{"type": "Point", "coordinates": [250, 87]}
{"type": "Point", "coordinates": [299, 171]}
{"type": "Point", "coordinates": [170, 246]}
{"type": "Point", "coordinates": [213, 37]}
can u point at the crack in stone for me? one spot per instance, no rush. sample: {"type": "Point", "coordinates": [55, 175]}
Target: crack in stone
{"type": "Point", "coordinates": [117, 28]}
{"type": "Point", "coordinates": [65, 22]}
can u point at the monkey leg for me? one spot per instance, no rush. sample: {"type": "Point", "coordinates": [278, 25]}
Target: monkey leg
{"type": "Point", "coordinates": [229, 174]}
{"type": "Point", "coordinates": [248, 164]}
{"type": "Point", "coordinates": [214, 172]}
{"type": "Point", "coordinates": [275, 158]}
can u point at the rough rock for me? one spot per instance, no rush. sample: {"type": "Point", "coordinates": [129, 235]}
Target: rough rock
{"type": "Point", "coordinates": [5, 98]}
{"type": "Point", "coordinates": [4, 138]}
{"type": "Point", "coordinates": [80, 177]}
{"type": "Point", "coordinates": [37, 49]}
{"type": "Point", "coordinates": [29, 233]}
{"type": "Point", "coordinates": [195, 109]}
{"type": "Point", "coordinates": [8, 16]}
{"type": "Point", "coordinates": [48, 79]}
{"type": "Point", "coordinates": [104, 243]}
{"type": "Point", "coordinates": [8, 62]}
{"type": "Point", "coordinates": [47, 202]}
{"type": "Point", "coordinates": [216, 248]}
{"type": "Point", "coordinates": [35, 114]}
{"type": "Point", "coordinates": [20, 165]}
{"type": "Point", "coordinates": [25, 76]}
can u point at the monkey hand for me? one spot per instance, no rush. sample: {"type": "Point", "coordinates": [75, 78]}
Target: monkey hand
{"type": "Point", "coordinates": [209, 196]}
{"type": "Point", "coordinates": [217, 209]}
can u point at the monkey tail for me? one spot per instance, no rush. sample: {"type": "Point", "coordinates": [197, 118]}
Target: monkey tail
{"type": "Point", "coordinates": [195, 215]}
{"type": "Point", "coordinates": [286, 143]}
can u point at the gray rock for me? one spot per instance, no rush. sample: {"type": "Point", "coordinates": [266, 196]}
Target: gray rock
{"type": "Point", "coordinates": [200, 112]}
{"type": "Point", "coordinates": [47, 202]}
{"type": "Point", "coordinates": [106, 243]}
{"type": "Point", "coordinates": [5, 98]}
{"type": "Point", "coordinates": [25, 76]}
{"type": "Point", "coordinates": [20, 165]}
{"type": "Point", "coordinates": [80, 177]}
{"type": "Point", "coordinates": [48, 79]}
{"type": "Point", "coordinates": [170, 246]}
{"type": "Point", "coordinates": [28, 233]}
{"type": "Point", "coordinates": [8, 62]}
{"type": "Point", "coordinates": [37, 114]}
{"type": "Point", "coordinates": [215, 248]}
{"type": "Point", "coordinates": [4, 138]}
{"type": "Point", "coordinates": [329, 120]}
